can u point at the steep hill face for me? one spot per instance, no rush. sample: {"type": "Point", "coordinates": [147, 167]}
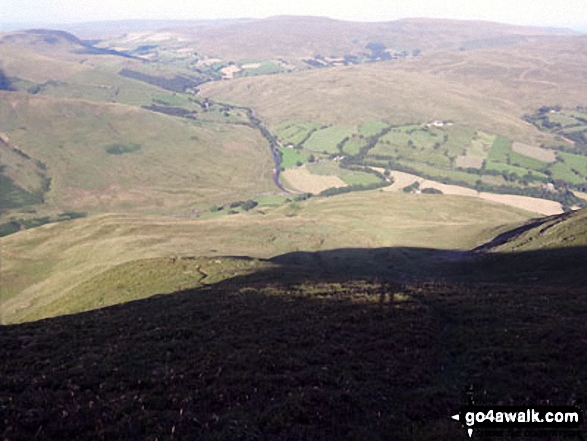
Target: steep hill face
{"type": "Point", "coordinates": [543, 251]}
{"type": "Point", "coordinates": [562, 231]}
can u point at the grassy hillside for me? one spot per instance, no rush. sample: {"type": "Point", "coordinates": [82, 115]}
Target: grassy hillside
{"type": "Point", "coordinates": [490, 89]}
{"type": "Point", "coordinates": [22, 62]}
{"type": "Point", "coordinates": [120, 158]}
{"type": "Point", "coordinates": [295, 38]}
{"type": "Point", "coordinates": [563, 231]}
{"type": "Point", "coordinates": [42, 266]}
{"type": "Point", "coordinates": [376, 92]}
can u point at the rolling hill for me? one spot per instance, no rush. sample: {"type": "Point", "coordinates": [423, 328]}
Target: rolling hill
{"type": "Point", "coordinates": [289, 349]}
{"type": "Point", "coordinates": [111, 157]}
{"type": "Point", "coordinates": [36, 285]}
{"type": "Point", "coordinates": [490, 88]}
{"type": "Point", "coordinates": [297, 38]}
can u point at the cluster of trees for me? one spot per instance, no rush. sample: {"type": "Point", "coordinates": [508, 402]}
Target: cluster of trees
{"type": "Point", "coordinates": [378, 51]}
{"type": "Point", "coordinates": [411, 188]}
{"type": "Point", "coordinates": [359, 158]}
{"type": "Point", "coordinates": [121, 149]}
{"type": "Point", "coordinates": [14, 196]}
{"type": "Point", "coordinates": [247, 205]}
{"type": "Point", "coordinates": [5, 83]}
{"type": "Point", "coordinates": [365, 169]}
{"type": "Point", "coordinates": [178, 83]}
{"type": "Point", "coordinates": [357, 187]}
{"type": "Point", "coordinates": [171, 110]}
{"type": "Point", "coordinates": [24, 224]}
{"type": "Point", "coordinates": [541, 120]}
{"type": "Point", "coordinates": [414, 187]}
{"type": "Point", "coordinates": [300, 197]}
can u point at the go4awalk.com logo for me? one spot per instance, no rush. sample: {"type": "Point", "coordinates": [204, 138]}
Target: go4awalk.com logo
{"type": "Point", "coordinates": [537, 418]}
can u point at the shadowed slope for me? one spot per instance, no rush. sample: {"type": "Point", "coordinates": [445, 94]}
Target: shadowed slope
{"type": "Point", "coordinates": [300, 358]}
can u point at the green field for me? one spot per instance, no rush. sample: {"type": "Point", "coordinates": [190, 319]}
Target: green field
{"type": "Point", "coordinates": [512, 169]}
{"type": "Point", "coordinates": [578, 162]}
{"type": "Point", "coordinates": [480, 145]}
{"type": "Point", "coordinates": [563, 120]}
{"type": "Point", "coordinates": [371, 128]}
{"type": "Point", "coordinates": [326, 140]}
{"type": "Point", "coordinates": [291, 158]}
{"type": "Point", "coordinates": [174, 99]}
{"type": "Point", "coordinates": [272, 201]}
{"type": "Point", "coordinates": [563, 172]}
{"type": "Point", "coordinates": [14, 196]}
{"type": "Point", "coordinates": [415, 143]}
{"type": "Point", "coordinates": [294, 132]}
{"type": "Point", "coordinates": [501, 152]}
{"type": "Point", "coordinates": [265, 68]}
{"type": "Point", "coordinates": [352, 147]}
{"type": "Point", "coordinates": [440, 174]}
{"type": "Point", "coordinates": [350, 177]}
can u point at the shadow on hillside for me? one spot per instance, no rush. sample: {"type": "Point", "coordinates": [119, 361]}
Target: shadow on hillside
{"type": "Point", "coordinates": [259, 358]}
{"type": "Point", "coordinates": [559, 266]}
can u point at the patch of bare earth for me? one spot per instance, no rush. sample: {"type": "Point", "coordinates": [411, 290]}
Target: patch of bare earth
{"type": "Point", "coordinates": [229, 71]}
{"type": "Point", "coordinates": [301, 179]}
{"type": "Point", "coordinates": [531, 151]}
{"type": "Point", "coordinates": [401, 180]}
{"type": "Point", "coordinates": [469, 162]}
{"type": "Point", "coordinates": [535, 205]}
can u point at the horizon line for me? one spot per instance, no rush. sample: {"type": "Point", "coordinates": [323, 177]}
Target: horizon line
{"type": "Point", "coordinates": [575, 27]}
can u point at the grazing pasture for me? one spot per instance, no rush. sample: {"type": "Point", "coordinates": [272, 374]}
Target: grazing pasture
{"type": "Point", "coordinates": [326, 140]}
{"type": "Point", "coordinates": [294, 132]}
{"type": "Point", "coordinates": [291, 158]}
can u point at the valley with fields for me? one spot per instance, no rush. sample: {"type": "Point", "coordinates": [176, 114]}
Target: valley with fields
{"type": "Point", "coordinates": [290, 228]}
